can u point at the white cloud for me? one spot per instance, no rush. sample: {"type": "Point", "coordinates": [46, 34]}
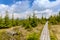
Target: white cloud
{"type": "Point", "coordinates": [19, 9]}
{"type": "Point", "coordinates": [20, 6]}
{"type": "Point", "coordinates": [47, 3]}
{"type": "Point", "coordinates": [22, 9]}
{"type": "Point", "coordinates": [45, 13]}
{"type": "Point", "coordinates": [46, 7]}
{"type": "Point", "coordinates": [3, 7]}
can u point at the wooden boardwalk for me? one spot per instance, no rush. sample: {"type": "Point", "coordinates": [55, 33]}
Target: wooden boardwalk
{"type": "Point", "coordinates": [45, 33]}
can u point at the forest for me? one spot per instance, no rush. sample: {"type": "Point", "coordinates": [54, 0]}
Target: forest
{"type": "Point", "coordinates": [29, 22]}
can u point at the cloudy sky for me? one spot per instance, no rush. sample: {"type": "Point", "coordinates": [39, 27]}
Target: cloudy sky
{"type": "Point", "coordinates": [24, 8]}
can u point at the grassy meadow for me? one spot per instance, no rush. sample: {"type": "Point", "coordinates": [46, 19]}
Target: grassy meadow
{"type": "Point", "coordinates": [28, 29]}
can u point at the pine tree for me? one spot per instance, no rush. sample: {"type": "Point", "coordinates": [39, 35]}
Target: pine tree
{"type": "Point", "coordinates": [59, 13]}
{"type": "Point", "coordinates": [43, 20]}
{"type": "Point", "coordinates": [13, 20]}
{"type": "Point", "coordinates": [1, 22]}
{"type": "Point", "coordinates": [6, 22]}
{"type": "Point", "coordinates": [17, 22]}
{"type": "Point", "coordinates": [34, 21]}
{"type": "Point", "coordinates": [1, 19]}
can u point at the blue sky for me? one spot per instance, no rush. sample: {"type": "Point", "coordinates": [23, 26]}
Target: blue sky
{"type": "Point", "coordinates": [21, 7]}
{"type": "Point", "coordinates": [52, 0]}
{"type": "Point", "coordinates": [10, 2]}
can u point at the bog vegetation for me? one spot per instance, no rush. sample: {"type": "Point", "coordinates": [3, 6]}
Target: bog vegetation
{"type": "Point", "coordinates": [55, 19]}
{"type": "Point", "coordinates": [33, 21]}
{"type": "Point", "coordinates": [27, 23]}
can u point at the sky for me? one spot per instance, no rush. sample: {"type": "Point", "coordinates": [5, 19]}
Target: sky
{"type": "Point", "coordinates": [25, 8]}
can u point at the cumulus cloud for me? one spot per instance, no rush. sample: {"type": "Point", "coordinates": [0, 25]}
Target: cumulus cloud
{"type": "Point", "coordinates": [19, 9]}
{"type": "Point", "coordinates": [22, 9]}
{"type": "Point", "coordinates": [20, 6]}
{"type": "Point", "coordinates": [46, 7]}
{"type": "Point", "coordinates": [47, 3]}
{"type": "Point", "coordinates": [45, 13]}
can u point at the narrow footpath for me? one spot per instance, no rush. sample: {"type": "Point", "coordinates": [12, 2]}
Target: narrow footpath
{"type": "Point", "coordinates": [45, 33]}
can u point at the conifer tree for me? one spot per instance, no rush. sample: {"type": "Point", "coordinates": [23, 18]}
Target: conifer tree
{"type": "Point", "coordinates": [6, 22]}
{"type": "Point", "coordinates": [1, 21]}
{"type": "Point", "coordinates": [17, 22]}
{"type": "Point", "coordinates": [34, 21]}
{"type": "Point", "coordinates": [13, 20]}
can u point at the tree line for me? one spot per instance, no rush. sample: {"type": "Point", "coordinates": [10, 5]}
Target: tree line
{"type": "Point", "coordinates": [33, 21]}
{"type": "Point", "coordinates": [29, 22]}
{"type": "Point", "coordinates": [55, 19]}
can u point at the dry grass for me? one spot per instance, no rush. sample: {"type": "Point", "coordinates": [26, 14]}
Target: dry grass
{"type": "Point", "coordinates": [56, 30]}
{"type": "Point", "coordinates": [23, 32]}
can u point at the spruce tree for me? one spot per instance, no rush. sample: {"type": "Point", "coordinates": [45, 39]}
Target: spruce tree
{"type": "Point", "coordinates": [1, 21]}
{"type": "Point", "coordinates": [6, 22]}
{"type": "Point", "coordinates": [34, 21]}
{"type": "Point", "coordinates": [13, 20]}
{"type": "Point", "coordinates": [17, 22]}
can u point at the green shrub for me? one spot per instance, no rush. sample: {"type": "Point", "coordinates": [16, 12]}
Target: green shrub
{"type": "Point", "coordinates": [33, 36]}
{"type": "Point", "coordinates": [33, 23]}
